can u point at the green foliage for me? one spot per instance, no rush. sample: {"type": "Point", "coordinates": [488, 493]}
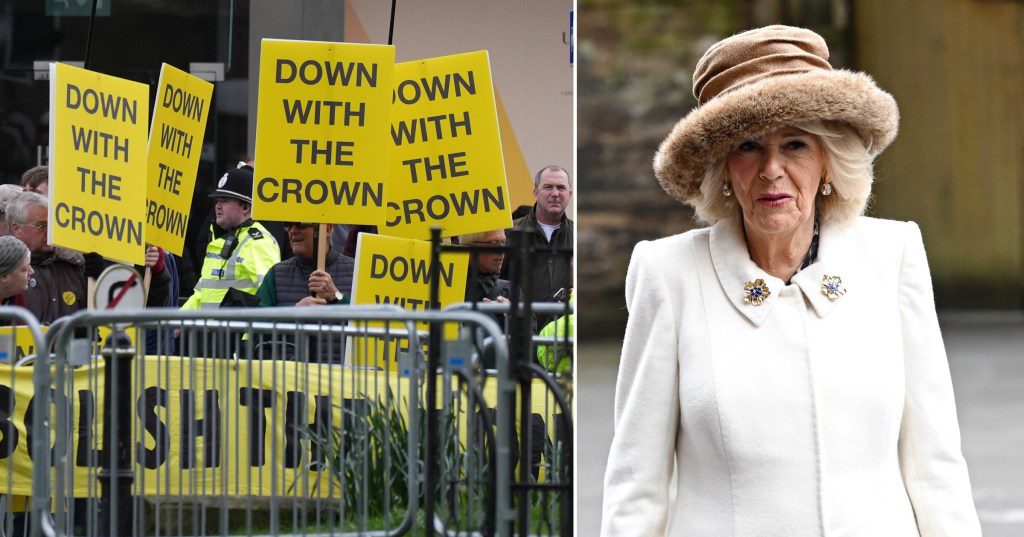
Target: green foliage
{"type": "Point", "coordinates": [367, 460]}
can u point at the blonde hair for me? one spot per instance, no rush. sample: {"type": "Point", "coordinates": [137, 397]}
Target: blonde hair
{"type": "Point", "coordinates": [848, 164]}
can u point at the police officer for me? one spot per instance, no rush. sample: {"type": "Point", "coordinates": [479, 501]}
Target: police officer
{"type": "Point", "coordinates": [243, 254]}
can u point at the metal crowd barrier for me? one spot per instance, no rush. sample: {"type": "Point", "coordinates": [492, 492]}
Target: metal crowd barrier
{"type": "Point", "coordinates": [301, 421]}
{"type": "Point", "coordinates": [19, 329]}
{"type": "Point", "coordinates": [308, 421]}
{"type": "Point", "coordinates": [536, 506]}
{"type": "Point", "coordinates": [526, 504]}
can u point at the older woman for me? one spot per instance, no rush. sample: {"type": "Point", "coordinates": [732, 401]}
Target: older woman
{"type": "Point", "coordinates": [15, 271]}
{"type": "Point", "coordinates": [785, 365]}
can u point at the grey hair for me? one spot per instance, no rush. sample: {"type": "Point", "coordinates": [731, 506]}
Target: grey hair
{"type": "Point", "coordinates": [556, 167]}
{"type": "Point", "coordinates": [848, 163]}
{"type": "Point", "coordinates": [17, 209]}
{"type": "Point", "coordinates": [12, 254]}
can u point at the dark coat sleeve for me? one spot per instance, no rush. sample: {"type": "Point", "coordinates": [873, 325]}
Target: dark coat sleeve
{"type": "Point", "coordinates": [159, 288]}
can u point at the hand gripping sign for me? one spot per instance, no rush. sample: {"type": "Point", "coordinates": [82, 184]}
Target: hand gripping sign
{"type": "Point", "coordinates": [322, 131]}
{"type": "Point", "coordinates": [446, 161]}
{"type": "Point", "coordinates": [97, 163]}
{"type": "Point", "coordinates": [175, 142]}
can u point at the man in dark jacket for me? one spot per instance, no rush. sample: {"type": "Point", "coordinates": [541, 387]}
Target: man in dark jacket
{"type": "Point", "coordinates": [483, 283]}
{"type": "Point", "coordinates": [551, 233]}
{"type": "Point", "coordinates": [296, 282]}
{"type": "Point", "coordinates": [58, 286]}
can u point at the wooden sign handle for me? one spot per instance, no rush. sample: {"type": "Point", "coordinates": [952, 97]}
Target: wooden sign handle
{"type": "Point", "coordinates": [146, 279]}
{"type": "Point", "coordinates": [321, 248]}
{"type": "Point", "coordinates": [90, 293]}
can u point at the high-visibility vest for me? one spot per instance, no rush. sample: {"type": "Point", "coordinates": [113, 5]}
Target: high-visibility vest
{"type": "Point", "coordinates": [557, 357]}
{"type": "Point", "coordinates": [243, 269]}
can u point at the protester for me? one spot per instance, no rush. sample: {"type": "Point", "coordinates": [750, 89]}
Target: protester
{"type": "Point", "coordinates": [483, 283]}
{"type": "Point", "coordinates": [58, 286]}
{"type": "Point", "coordinates": [15, 271]}
{"type": "Point", "coordinates": [7, 193]}
{"type": "Point", "coordinates": [551, 233]}
{"type": "Point", "coordinates": [158, 295]}
{"type": "Point", "coordinates": [37, 180]}
{"type": "Point", "coordinates": [243, 254]}
{"type": "Point", "coordinates": [296, 282]}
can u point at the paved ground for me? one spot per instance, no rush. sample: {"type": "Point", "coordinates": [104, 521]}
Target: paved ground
{"type": "Point", "coordinates": [986, 354]}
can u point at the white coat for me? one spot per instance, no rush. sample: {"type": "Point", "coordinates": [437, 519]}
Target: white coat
{"type": "Point", "coordinates": [803, 416]}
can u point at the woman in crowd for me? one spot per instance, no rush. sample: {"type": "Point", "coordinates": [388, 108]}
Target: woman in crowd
{"type": "Point", "coordinates": [15, 271]}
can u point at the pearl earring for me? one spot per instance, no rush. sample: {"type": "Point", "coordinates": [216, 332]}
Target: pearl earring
{"type": "Point", "coordinates": [826, 189]}
{"type": "Point", "coordinates": [726, 191]}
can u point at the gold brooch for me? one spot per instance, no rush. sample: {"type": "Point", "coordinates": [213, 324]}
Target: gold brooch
{"type": "Point", "coordinates": [832, 287]}
{"type": "Point", "coordinates": [756, 292]}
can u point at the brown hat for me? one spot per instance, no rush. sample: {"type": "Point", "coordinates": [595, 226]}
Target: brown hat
{"type": "Point", "coordinates": [759, 81]}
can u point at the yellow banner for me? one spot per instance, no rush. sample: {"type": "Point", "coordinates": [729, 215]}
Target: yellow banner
{"type": "Point", "coordinates": [322, 131]}
{"type": "Point", "coordinates": [17, 342]}
{"type": "Point", "coordinates": [97, 163]}
{"type": "Point", "coordinates": [217, 426]}
{"type": "Point", "coordinates": [175, 143]}
{"type": "Point", "coordinates": [446, 164]}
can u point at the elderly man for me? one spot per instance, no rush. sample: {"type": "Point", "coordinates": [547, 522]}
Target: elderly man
{"type": "Point", "coordinates": [296, 282]}
{"type": "Point", "coordinates": [58, 286]}
{"type": "Point", "coordinates": [551, 233]}
{"type": "Point", "coordinates": [242, 256]}
{"type": "Point", "coordinates": [7, 193]}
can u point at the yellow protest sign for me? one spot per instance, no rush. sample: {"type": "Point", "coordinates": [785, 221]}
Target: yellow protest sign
{"type": "Point", "coordinates": [219, 427]}
{"type": "Point", "coordinates": [322, 131]}
{"type": "Point", "coordinates": [392, 270]}
{"type": "Point", "coordinates": [97, 163]}
{"type": "Point", "coordinates": [175, 142]}
{"type": "Point", "coordinates": [446, 163]}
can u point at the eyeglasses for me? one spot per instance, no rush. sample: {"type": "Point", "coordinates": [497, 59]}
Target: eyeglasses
{"type": "Point", "coordinates": [300, 225]}
{"type": "Point", "coordinates": [495, 244]}
{"type": "Point", "coordinates": [37, 226]}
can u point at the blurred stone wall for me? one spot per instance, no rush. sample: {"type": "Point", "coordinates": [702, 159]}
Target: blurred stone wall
{"type": "Point", "coordinates": [633, 83]}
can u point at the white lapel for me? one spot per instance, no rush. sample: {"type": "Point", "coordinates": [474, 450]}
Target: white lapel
{"type": "Point", "coordinates": [734, 268]}
{"type": "Point", "coordinates": [835, 247]}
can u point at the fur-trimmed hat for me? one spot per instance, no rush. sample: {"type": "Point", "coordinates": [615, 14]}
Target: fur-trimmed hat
{"type": "Point", "coordinates": [759, 81]}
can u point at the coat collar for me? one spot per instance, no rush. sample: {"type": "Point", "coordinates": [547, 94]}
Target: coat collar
{"type": "Point", "coordinates": [734, 268]}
